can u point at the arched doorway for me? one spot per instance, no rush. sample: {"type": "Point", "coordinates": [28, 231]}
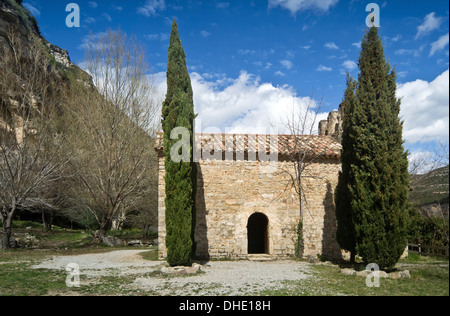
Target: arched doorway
{"type": "Point", "coordinates": [258, 234]}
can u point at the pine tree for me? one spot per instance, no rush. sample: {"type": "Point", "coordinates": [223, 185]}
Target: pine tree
{"type": "Point", "coordinates": [376, 166]}
{"type": "Point", "coordinates": [178, 111]}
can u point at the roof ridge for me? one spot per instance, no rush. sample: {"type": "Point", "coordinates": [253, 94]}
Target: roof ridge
{"type": "Point", "coordinates": [260, 134]}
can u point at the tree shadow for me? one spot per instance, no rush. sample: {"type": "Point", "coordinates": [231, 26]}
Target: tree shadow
{"type": "Point", "coordinates": [201, 228]}
{"type": "Point", "coordinates": [330, 247]}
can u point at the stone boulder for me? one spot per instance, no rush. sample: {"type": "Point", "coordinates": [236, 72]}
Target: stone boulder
{"type": "Point", "coordinates": [182, 270]}
{"type": "Point", "coordinates": [112, 241]}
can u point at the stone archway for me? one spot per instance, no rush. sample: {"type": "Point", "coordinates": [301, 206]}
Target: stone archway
{"type": "Point", "coordinates": [258, 234]}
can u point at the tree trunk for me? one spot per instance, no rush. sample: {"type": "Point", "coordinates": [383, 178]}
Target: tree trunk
{"type": "Point", "coordinates": [47, 220]}
{"type": "Point", "coordinates": [117, 224]}
{"type": "Point", "coordinates": [6, 239]}
{"type": "Point", "coordinates": [6, 236]}
{"type": "Point", "coordinates": [103, 228]}
{"type": "Point", "coordinates": [352, 257]}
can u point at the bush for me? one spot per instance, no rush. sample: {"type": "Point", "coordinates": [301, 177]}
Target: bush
{"type": "Point", "coordinates": [430, 231]}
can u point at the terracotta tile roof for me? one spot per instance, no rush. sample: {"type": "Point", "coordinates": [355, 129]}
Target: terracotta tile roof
{"type": "Point", "coordinates": [285, 145]}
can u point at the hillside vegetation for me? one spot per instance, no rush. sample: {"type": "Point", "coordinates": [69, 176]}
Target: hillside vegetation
{"type": "Point", "coordinates": [430, 188]}
{"type": "Point", "coordinates": [74, 148]}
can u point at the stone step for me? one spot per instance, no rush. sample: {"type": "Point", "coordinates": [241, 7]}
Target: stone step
{"type": "Point", "coordinates": [260, 257]}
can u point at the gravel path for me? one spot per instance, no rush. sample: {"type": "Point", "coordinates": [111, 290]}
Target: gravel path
{"type": "Point", "coordinates": [104, 264]}
{"type": "Point", "coordinates": [228, 278]}
{"type": "Point", "coordinates": [217, 277]}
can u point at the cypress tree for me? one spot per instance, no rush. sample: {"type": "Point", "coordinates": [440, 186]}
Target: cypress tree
{"type": "Point", "coordinates": [180, 178]}
{"type": "Point", "coordinates": [345, 231]}
{"type": "Point", "coordinates": [377, 175]}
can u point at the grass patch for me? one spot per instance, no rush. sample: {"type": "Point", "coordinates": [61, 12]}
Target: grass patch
{"type": "Point", "coordinates": [426, 280]}
{"type": "Point", "coordinates": [151, 255]}
{"type": "Point", "coordinates": [19, 279]}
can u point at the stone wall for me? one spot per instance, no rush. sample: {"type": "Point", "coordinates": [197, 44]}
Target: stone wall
{"type": "Point", "coordinates": [229, 192]}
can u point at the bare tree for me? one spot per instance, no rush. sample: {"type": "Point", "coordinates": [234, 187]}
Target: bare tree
{"type": "Point", "coordinates": [112, 129]}
{"type": "Point", "coordinates": [426, 161]}
{"type": "Point", "coordinates": [301, 121]}
{"type": "Point", "coordinates": [30, 160]}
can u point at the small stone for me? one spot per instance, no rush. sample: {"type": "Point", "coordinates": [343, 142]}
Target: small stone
{"type": "Point", "coordinates": [134, 243]}
{"type": "Point", "coordinates": [348, 271]}
{"type": "Point", "coordinates": [364, 273]}
{"type": "Point", "coordinates": [383, 274]}
{"type": "Point", "coordinates": [400, 275]}
{"type": "Point", "coordinates": [405, 274]}
{"type": "Point", "coordinates": [311, 259]}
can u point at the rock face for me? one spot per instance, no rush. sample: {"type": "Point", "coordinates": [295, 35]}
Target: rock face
{"type": "Point", "coordinates": [61, 56]}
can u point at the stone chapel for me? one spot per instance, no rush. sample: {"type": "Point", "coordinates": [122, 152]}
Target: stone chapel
{"type": "Point", "coordinates": [247, 205]}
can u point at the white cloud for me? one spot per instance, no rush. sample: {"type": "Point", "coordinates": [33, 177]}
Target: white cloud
{"type": "Point", "coordinates": [205, 34]}
{"type": "Point", "coordinates": [107, 17]}
{"type": "Point", "coordinates": [413, 52]}
{"type": "Point", "coordinates": [331, 45]}
{"type": "Point", "coordinates": [295, 6]}
{"type": "Point", "coordinates": [154, 36]}
{"type": "Point", "coordinates": [33, 10]}
{"type": "Point", "coordinates": [279, 74]}
{"type": "Point", "coordinates": [357, 45]}
{"type": "Point", "coordinates": [350, 65]}
{"type": "Point", "coordinates": [440, 44]}
{"type": "Point", "coordinates": [396, 38]}
{"type": "Point", "coordinates": [93, 4]}
{"type": "Point", "coordinates": [223, 5]}
{"type": "Point", "coordinates": [287, 63]}
{"type": "Point", "coordinates": [92, 41]}
{"type": "Point", "coordinates": [323, 68]}
{"type": "Point", "coordinates": [151, 7]}
{"type": "Point", "coordinates": [425, 109]}
{"type": "Point", "coordinates": [430, 23]}
{"type": "Point", "coordinates": [241, 105]}
{"type": "Point", "coordinates": [420, 162]}
{"type": "Point", "coordinates": [246, 52]}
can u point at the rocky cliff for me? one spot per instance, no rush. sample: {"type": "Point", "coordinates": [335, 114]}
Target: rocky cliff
{"type": "Point", "coordinates": [13, 16]}
{"type": "Point", "coordinates": [20, 43]}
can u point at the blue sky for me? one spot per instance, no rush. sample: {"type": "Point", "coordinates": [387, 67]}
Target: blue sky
{"type": "Point", "coordinates": [251, 59]}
